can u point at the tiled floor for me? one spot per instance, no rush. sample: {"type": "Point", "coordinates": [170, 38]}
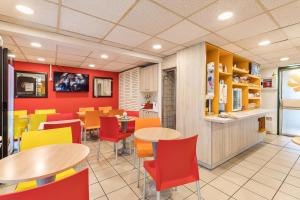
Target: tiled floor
{"type": "Point", "coordinates": [270, 170]}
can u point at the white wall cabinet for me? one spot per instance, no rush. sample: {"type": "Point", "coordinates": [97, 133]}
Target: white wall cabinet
{"type": "Point", "coordinates": [149, 79]}
{"type": "Point", "coordinates": [148, 114]}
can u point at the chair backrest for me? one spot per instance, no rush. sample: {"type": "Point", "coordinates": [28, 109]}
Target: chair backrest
{"type": "Point", "coordinates": [176, 160]}
{"type": "Point", "coordinates": [75, 187]}
{"type": "Point", "coordinates": [45, 111]}
{"type": "Point", "coordinates": [114, 112]}
{"type": "Point", "coordinates": [75, 126]}
{"type": "Point", "coordinates": [20, 125]}
{"type": "Point", "coordinates": [84, 109]}
{"type": "Point", "coordinates": [92, 118]}
{"type": "Point", "coordinates": [35, 120]}
{"type": "Point", "coordinates": [60, 116]}
{"type": "Point", "coordinates": [20, 112]}
{"type": "Point", "coordinates": [109, 127]}
{"type": "Point", "coordinates": [147, 122]}
{"type": "Point", "coordinates": [105, 109]}
{"type": "Point", "coordinates": [33, 139]}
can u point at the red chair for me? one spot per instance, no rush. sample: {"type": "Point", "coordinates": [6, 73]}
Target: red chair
{"type": "Point", "coordinates": [131, 125]}
{"type": "Point", "coordinates": [60, 116]}
{"type": "Point", "coordinates": [110, 132]}
{"type": "Point", "coordinates": [75, 126]}
{"type": "Point", "coordinates": [75, 187]}
{"type": "Point", "coordinates": [175, 164]}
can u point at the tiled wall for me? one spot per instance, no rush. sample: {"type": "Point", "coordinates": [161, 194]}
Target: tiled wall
{"type": "Point", "coordinates": [169, 99]}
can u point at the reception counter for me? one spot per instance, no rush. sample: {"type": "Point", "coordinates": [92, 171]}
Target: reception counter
{"type": "Point", "coordinates": [228, 137]}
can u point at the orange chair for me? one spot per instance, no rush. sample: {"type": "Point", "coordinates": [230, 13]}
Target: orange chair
{"type": "Point", "coordinates": [175, 165]}
{"type": "Point", "coordinates": [105, 109]}
{"type": "Point", "coordinates": [114, 112]}
{"type": "Point", "coordinates": [142, 148]}
{"type": "Point", "coordinates": [91, 121]}
{"type": "Point", "coordinates": [84, 110]}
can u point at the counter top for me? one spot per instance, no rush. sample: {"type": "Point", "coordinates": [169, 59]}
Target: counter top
{"type": "Point", "coordinates": [234, 116]}
{"type": "Point", "coordinates": [151, 110]}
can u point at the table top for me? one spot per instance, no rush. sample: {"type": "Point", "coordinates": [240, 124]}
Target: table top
{"type": "Point", "coordinates": [296, 140]}
{"type": "Point", "coordinates": [128, 119]}
{"type": "Point", "coordinates": [41, 162]}
{"type": "Point", "coordinates": [156, 133]}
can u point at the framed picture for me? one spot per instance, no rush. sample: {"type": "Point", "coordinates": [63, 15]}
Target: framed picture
{"type": "Point", "coordinates": [31, 84]}
{"type": "Point", "coordinates": [102, 87]}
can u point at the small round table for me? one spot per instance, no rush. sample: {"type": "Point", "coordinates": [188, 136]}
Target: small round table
{"type": "Point", "coordinates": [41, 163]}
{"type": "Point", "coordinates": [124, 122]}
{"type": "Point", "coordinates": [296, 140]}
{"type": "Point", "coordinates": [155, 134]}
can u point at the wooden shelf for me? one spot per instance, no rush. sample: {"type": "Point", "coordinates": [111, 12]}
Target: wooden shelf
{"type": "Point", "coordinates": [240, 71]}
{"type": "Point", "coordinates": [254, 88]}
{"type": "Point", "coordinates": [239, 84]}
{"type": "Point", "coordinates": [254, 77]}
{"type": "Point", "coordinates": [225, 74]}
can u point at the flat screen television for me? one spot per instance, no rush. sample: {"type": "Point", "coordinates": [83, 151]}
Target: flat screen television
{"type": "Point", "coordinates": [70, 82]}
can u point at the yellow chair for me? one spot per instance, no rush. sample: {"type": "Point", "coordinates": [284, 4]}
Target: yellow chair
{"type": "Point", "coordinates": [35, 120]}
{"type": "Point", "coordinates": [86, 109]}
{"type": "Point", "coordinates": [20, 113]}
{"type": "Point", "coordinates": [41, 138]}
{"type": "Point", "coordinates": [143, 148]}
{"type": "Point", "coordinates": [45, 111]}
{"type": "Point", "coordinates": [20, 125]}
{"type": "Point", "coordinates": [105, 109]}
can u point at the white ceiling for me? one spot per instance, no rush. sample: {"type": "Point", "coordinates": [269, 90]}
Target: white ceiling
{"type": "Point", "coordinates": [136, 25]}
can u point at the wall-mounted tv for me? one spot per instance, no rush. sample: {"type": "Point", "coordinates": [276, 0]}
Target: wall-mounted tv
{"type": "Point", "coordinates": [70, 82]}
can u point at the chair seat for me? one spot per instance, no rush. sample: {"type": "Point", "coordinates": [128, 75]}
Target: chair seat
{"type": "Point", "coordinates": [144, 149]}
{"type": "Point", "coordinates": [32, 184]}
{"type": "Point", "coordinates": [91, 127]}
{"type": "Point", "coordinates": [150, 167]}
{"type": "Point", "coordinates": [121, 136]}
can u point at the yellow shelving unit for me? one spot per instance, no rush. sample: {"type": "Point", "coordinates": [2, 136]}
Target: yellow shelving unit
{"type": "Point", "coordinates": [235, 66]}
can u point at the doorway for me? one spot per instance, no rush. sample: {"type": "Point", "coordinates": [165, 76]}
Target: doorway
{"type": "Point", "coordinates": [169, 98]}
{"type": "Point", "coordinates": [289, 100]}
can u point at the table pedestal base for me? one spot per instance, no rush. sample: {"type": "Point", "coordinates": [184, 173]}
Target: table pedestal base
{"type": "Point", "coordinates": [45, 180]}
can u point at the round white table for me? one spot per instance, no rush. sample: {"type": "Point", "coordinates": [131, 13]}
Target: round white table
{"type": "Point", "coordinates": [41, 163]}
{"type": "Point", "coordinates": [154, 134]}
{"type": "Point", "coordinates": [296, 140]}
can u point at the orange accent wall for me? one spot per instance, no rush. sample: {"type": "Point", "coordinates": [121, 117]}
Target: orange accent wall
{"type": "Point", "coordinates": [65, 102]}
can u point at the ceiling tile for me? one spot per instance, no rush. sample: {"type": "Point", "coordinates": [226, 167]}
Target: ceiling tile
{"type": "Point", "coordinates": [24, 41]}
{"type": "Point", "coordinates": [68, 63]}
{"type": "Point", "coordinates": [38, 52]}
{"type": "Point", "coordinates": [184, 8]}
{"type": "Point", "coordinates": [118, 45]}
{"type": "Point", "coordinates": [245, 54]}
{"type": "Point", "coordinates": [45, 13]}
{"type": "Point", "coordinates": [111, 10]}
{"type": "Point", "coordinates": [232, 48]}
{"type": "Point", "coordinates": [208, 17]}
{"type": "Point", "coordinates": [149, 18]}
{"type": "Point", "coordinates": [287, 15]}
{"type": "Point", "coordinates": [127, 59]}
{"type": "Point", "coordinates": [210, 38]}
{"type": "Point", "coordinates": [70, 57]}
{"type": "Point", "coordinates": [19, 57]}
{"type": "Point", "coordinates": [292, 31]}
{"type": "Point", "coordinates": [271, 4]}
{"type": "Point", "coordinates": [116, 66]}
{"type": "Point", "coordinates": [33, 59]}
{"type": "Point", "coordinates": [252, 42]}
{"type": "Point", "coordinates": [183, 32]}
{"type": "Point", "coordinates": [258, 59]}
{"type": "Point", "coordinates": [74, 50]}
{"type": "Point", "coordinates": [83, 24]}
{"type": "Point", "coordinates": [173, 51]}
{"type": "Point", "coordinates": [97, 62]}
{"type": "Point", "coordinates": [279, 53]}
{"type": "Point", "coordinates": [126, 36]}
{"type": "Point", "coordinates": [97, 54]}
{"type": "Point", "coordinates": [147, 46]}
{"type": "Point", "coordinates": [273, 47]}
{"type": "Point", "coordinates": [295, 42]}
{"type": "Point", "coordinates": [7, 40]}
{"type": "Point", "coordinates": [12, 48]}
{"type": "Point", "coordinates": [254, 26]}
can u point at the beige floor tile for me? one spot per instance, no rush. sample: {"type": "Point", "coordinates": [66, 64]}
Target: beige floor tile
{"type": "Point", "coordinates": [244, 194]}
{"type": "Point", "coordinates": [293, 181]}
{"type": "Point", "coordinates": [122, 194]}
{"type": "Point", "coordinates": [7, 189]}
{"type": "Point", "coordinates": [295, 173]}
{"type": "Point", "coordinates": [136, 190]}
{"type": "Point", "coordinates": [278, 167]}
{"type": "Point", "coordinates": [243, 171]}
{"type": "Point", "coordinates": [92, 177]}
{"type": "Point", "coordinates": [256, 160]}
{"type": "Point", "coordinates": [225, 186]}
{"type": "Point", "coordinates": [123, 167]}
{"type": "Point", "coordinates": [290, 190]}
{"type": "Point", "coordinates": [192, 186]}
{"type": "Point", "coordinates": [267, 180]}
{"type": "Point", "coordinates": [260, 189]}
{"type": "Point", "coordinates": [105, 173]}
{"type": "Point", "coordinates": [235, 178]}
{"type": "Point", "coordinates": [206, 175]}
{"type": "Point", "coordinates": [131, 176]}
{"type": "Point", "coordinates": [181, 193]}
{"type": "Point", "coordinates": [273, 173]}
{"type": "Point", "coordinates": [192, 197]}
{"type": "Point", "coordinates": [292, 145]}
{"type": "Point", "coordinates": [250, 165]}
{"type": "Point", "coordinates": [95, 191]}
{"type": "Point", "coordinates": [283, 196]}
{"type": "Point", "coordinates": [101, 198]}
{"type": "Point", "coordinates": [112, 184]}
{"type": "Point", "coordinates": [210, 193]}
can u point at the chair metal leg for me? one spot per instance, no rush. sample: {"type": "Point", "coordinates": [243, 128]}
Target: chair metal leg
{"type": "Point", "coordinates": [19, 148]}
{"type": "Point", "coordinates": [157, 195]}
{"type": "Point", "coordinates": [98, 150]}
{"type": "Point", "coordinates": [134, 157]}
{"type": "Point", "coordinates": [139, 171]}
{"type": "Point", "coordinates": [144, 187]}
{"type": "Point", "coordinates": [116, 147]}
{"type": "Point", "coordinates": [198, 190]}
{"type": "Point", "coordinates": [84, 134]}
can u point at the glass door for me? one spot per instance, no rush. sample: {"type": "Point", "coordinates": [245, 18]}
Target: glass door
{"type": "Point", "coordinates": [289, 101]}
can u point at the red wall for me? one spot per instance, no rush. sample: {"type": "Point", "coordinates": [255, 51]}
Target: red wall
{"type": "Point", "coordinates": [65, 102]}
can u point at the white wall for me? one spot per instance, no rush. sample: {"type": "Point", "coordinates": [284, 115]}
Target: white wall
{"type": "Point", "coordinates": [269, 99]}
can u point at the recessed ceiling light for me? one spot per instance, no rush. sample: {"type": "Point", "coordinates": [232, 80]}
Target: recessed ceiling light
{"type": "Point", "coordinates": [24, 9]}
{"type": "Point", "coordinates": [264, 43]}
{"type": "Point", "coordinates": [284, 59]}
{"type": "Point", "coordinates": [11, 55]}
{"type": "Point", "coordinates": [35, 44]}
{"type": "Point", "coordinates": [91, 65]}
{"type": "Point", "coordinates": [225, 15]}
{"type": "Point", "coordinates": [104, 56]}
{"type": "Point", "coordinates": [41, 59]}
{"type": "Point", "coordinates": [157, 46]}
